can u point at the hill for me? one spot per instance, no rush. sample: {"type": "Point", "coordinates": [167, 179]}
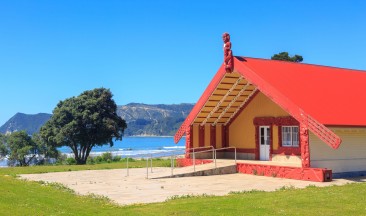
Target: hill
{"type": "Point", "coordinates": [153, 120]}
{"type": "Point", "coordinates": [27, 122]}
{"type": "Point", "coordinates": [142, 119]}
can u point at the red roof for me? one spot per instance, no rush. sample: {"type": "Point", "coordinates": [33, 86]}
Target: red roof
{"type": "Point", "coordinates": [314, 95]}
{"type": "Point", "coordinates": [333, 96]}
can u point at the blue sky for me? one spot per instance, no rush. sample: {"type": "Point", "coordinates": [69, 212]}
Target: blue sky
{"type": "Point", "coordinates": [158, 51]}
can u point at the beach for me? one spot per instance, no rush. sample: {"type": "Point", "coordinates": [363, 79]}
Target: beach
{"type": "Point", "coordinates": [133, 147]}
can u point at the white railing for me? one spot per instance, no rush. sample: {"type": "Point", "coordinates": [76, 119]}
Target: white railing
{"type": "Point", "coordinates": [230, 147]}
{"type": "Point", "coordinates": [173, 156]}
{"type": "Point", "coordinates": [194, 154]}
{"type": "Point", "coordinates": [214, 154]}
{"type": "Point", "coordinates": [151, 157]}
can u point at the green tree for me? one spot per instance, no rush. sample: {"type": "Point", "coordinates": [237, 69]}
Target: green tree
{"type": "Point", "coordinates": [283, 56]}
{"type": "Point", "coordinates": [48, 151]}
{"type": "Point", "coordinates": [22, 149]}
{"type": "Point", "coordinates": [4, 150]}
{"type": "Point", "coordinates": [84, 122]}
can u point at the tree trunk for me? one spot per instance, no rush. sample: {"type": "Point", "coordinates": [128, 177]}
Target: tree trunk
{"type": "Point", "coordinates": [81, 161]}
{"type": "Point", "coordinates": [81, 154]}
{"type": "Point", "coordinates": [30, 160]}
{"type": "Point", "coordinates": [74, 150]}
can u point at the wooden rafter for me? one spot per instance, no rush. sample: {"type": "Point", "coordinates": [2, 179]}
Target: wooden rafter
{"type": "Point", "coordinates": [206, 103]}
{"type": "Point", "coordinates": [232, 102]}
{"type": "Point", "coordinates": [241, 105]}
{"type": "Point", "coordinates": [222, 100]}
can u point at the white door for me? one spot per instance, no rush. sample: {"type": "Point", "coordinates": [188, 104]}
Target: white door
{"type": "Point", "coordinates": [264, 142]}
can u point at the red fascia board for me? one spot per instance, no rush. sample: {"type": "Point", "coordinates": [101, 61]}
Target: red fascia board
{"type": "Point", "coordinates": [281, 100]}
{"type": "Point", "coordinates": [200, 103]}
{"type": "Point", "coordinates": [346, 126]}
{"type": "Point", "coordinates": [267, 89]}
{"type": "Point", "coordinates": [331, 95]}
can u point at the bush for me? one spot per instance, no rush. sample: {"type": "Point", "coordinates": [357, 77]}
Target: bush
{"type": "Point", "coordinates": [117, 158]}
{"type": "Point", "coordinates": [129, 160]}
{"type": "Point", "coordinates": [107, 156]}
{"type": "Point", "coordinates": [61, 159]}
{"type": "Point", "coordinates": [98, 159]}
{"type": "Point", "coordinates": [70, 161]}
{"type": "Point", "coordinates": [90, 161]}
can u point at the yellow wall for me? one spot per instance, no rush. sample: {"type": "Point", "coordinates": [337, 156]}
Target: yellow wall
{"type": "Point", "coordinates": [242, 130]}
{"type": "Point", "coordinates": [218, 136]}
{"type": "Point", "coordinates": [350, 156]}
{"type": "Point", "coordinates": [195, 136]}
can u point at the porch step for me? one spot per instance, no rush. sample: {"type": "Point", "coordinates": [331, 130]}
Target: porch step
{"type": "Point", "coordinates": [222, 167]}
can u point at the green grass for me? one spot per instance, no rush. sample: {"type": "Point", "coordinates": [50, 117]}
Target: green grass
{"type": "Point", "coordinates": [335, 200]}
{"type": "Point", "coordinates": [13, 171]}
{"type": "Point", "coordinates": [19, 197]}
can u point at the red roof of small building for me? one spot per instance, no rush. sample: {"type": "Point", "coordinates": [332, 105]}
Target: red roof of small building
{"type": "Point", "coordinates": [333, 96]}
{"type": "Point", "coordinates": [314, 95]}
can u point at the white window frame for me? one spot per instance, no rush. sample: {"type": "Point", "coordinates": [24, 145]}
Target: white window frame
{"type": "Point", "coordinates": [290, 136]}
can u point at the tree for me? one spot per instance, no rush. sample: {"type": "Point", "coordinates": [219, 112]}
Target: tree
{"type": "Point", "coordinates": [84, 122]}
{"type": "Point", "coordinates": [3, 146]}
{"type": "Point", "coordinates": [283, 56]}
{"type": "Point", "coordinates": [22, 149]}
{"type": "Point", "coordinates": [48, 151]}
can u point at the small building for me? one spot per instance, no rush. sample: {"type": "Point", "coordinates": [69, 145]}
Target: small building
{"type": "Point", "coordinates": [290, 120]}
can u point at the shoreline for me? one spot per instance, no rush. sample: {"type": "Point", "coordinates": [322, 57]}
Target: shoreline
{"type": "Point", "coordinates": [147, 136]}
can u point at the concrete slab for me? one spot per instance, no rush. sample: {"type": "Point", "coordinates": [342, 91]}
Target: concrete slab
{"type": "Point", "coordinates": [137, 189]}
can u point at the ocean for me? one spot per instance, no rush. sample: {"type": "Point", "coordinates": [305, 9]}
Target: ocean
{"type": "Point", "coordinates": [134, 147]}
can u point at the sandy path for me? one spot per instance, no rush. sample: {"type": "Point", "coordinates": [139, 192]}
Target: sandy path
{"type": "Point", "coordinates": [137, 189]}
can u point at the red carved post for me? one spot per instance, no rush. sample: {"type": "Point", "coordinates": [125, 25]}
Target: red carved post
{"type": "Point", "coordinates": [228, 54]}
{"type": "Point", "coordinates": [188, 141]}
{"type": "Point", "coordinates": [304, 140]}
{"type": "Point", "coordinates": [201, 136]}
{"type": "Point", "coordinates": [223, 136]}
{"type": "Point", "coordinates": [257, 142]}
{"type": "Point", "coordinates": [213, 136]}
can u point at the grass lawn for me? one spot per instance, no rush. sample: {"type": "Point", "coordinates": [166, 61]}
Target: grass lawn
{"type": "Point", "coordinates": [19, 197]}
{"type": "Point", "coordinates": [13, 171]}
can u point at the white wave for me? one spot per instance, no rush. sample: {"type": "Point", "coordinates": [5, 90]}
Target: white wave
{"type": "Point", "coordinates": [174, 147]}
{"type": "Point", "coordinates": [136, 153]}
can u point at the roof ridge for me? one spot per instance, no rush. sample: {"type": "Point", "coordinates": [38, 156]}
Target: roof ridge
{"type": "Point", "coordinates": [307, 64]}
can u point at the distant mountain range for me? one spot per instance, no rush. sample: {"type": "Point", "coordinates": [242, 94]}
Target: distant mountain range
{"type": "Point", "coordinates": [153, 120]}
{"type": "Point", "coordinates": [142, 119]}
{"type": "Point", "coordinates": [27, 122]}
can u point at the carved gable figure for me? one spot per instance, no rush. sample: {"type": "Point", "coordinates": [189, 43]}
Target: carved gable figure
{"type": "Point", "coordinates": [228, 54]}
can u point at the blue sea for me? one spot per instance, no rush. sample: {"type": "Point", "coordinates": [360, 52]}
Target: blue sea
{"type": "Point", "coordinates": [135, 147]}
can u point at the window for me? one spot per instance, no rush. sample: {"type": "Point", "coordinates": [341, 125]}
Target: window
{"type": "Point", "coordinates": [290, 136]}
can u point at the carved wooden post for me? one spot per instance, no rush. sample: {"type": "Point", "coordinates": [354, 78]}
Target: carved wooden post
{"type": "Point", "coordinates": [188, 140]}
{"type": "Point", "coordinates": [257, 146]}
{"type": "Point", "coordinates": [228, 54]}
{"type": "Point", "coordinates": [201, 136]}
{"type": "Point", "coordinates": [213, 136]}
{"type": "Point", "coordinates": [304, 143]}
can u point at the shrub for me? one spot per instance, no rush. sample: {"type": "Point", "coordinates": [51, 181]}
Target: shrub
{"type": "Point", "coordinates": [70, 161]}
{"type": "Point", "coordinates": [90, 160]}
{"type": "Point", "coordinates": [107, 156]}
{"type": "Point", "coordinates": [129, 160]}
{"type": "Point", "coordinates": [61, 159]}
{"type": "Point", "coordinates": [117, 158]}
{"type": "Point", "coordinates": [98, 159]}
